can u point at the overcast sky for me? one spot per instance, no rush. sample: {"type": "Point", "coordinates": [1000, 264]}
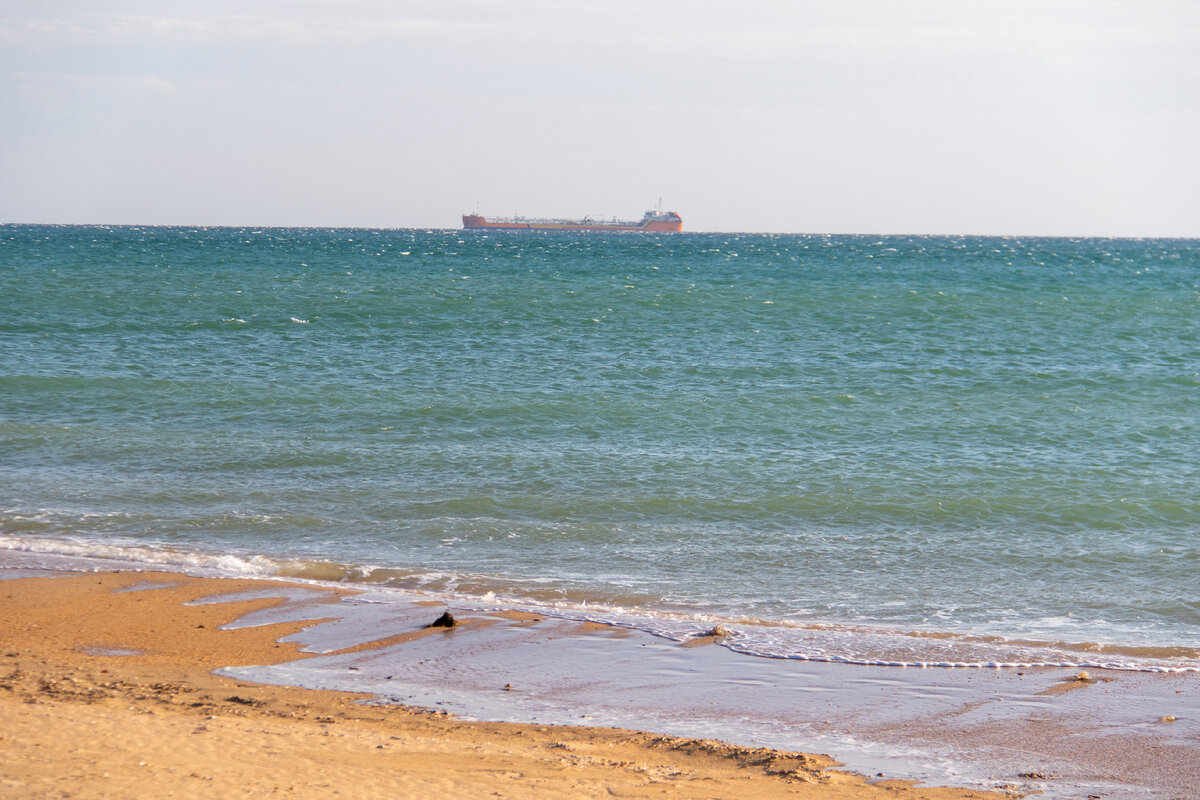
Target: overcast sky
{"type": "Point", "coordinates": [844, 116]}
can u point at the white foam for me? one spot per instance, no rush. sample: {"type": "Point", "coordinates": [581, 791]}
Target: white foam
{"type": "Point", "coordinates": [840, 644]}
{"type": "Point", "coordinates": [144, 556]}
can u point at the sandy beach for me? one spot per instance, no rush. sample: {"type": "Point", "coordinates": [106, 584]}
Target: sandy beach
{"type": "Point", "coordinates": [107, 690]}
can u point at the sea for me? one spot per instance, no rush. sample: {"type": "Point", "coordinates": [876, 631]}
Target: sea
{"type": "Point", "coordinates": [885, 450]}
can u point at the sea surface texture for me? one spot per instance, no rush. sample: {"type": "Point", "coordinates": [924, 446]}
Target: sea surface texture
{"type": "Point", "coordinates": [910, 450]}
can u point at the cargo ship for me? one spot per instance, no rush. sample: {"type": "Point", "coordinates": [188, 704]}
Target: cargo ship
{"type": "Point", "coordinates": [651, 222]}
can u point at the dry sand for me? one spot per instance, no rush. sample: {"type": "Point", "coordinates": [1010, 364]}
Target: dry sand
{"type": "Point", "coordinates": [107, 693]}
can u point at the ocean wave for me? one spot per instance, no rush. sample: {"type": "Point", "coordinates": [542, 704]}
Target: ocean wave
{"type": "Point", "coordinates": [764, 638]}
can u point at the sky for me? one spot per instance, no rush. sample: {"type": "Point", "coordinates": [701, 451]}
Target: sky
{"type": "Point", "coordinates": [1008, 117]}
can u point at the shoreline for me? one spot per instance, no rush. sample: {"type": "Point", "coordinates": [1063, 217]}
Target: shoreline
{"type": "Point", "coordinates": [836, 642]}
{"type": "Point", "coordinates": [1118, 734]}
{"type": "Point", "coordinates": [108, 687]}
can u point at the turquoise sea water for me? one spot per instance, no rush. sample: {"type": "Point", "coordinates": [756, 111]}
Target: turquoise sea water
{"type": "Point", "coordinates": [883, 449]}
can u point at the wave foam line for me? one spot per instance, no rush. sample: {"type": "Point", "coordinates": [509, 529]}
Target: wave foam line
{"type": "Point", "coordinates": [760, 638]}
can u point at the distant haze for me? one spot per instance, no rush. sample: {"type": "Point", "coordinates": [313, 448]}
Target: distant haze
{"type": "Point", "coordinates": [876, 116]}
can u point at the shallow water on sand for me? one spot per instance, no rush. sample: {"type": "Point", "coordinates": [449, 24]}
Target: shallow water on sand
{"type": "Point", "coordinates": [1119, 733]}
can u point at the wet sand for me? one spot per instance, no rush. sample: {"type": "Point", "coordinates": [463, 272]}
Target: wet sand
{"type": "Point", "coordinates": [107, 689]}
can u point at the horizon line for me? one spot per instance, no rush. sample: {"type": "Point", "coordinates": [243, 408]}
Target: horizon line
{"type": "Point", "coordinates": [601, 233]}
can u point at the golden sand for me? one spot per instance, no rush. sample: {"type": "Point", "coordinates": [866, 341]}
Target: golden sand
{"type": "Point", "coordinates": [110, 694]}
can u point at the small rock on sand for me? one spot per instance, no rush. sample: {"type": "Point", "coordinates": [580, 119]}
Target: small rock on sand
{"type": "Point", "coordinates": [444, 621]}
